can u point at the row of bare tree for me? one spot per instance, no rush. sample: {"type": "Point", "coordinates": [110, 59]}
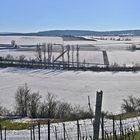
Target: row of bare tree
{"type": "Point", "coordinates": [30, 104]}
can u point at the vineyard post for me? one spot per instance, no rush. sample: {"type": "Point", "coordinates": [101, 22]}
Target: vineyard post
{"type": "Point", "coordinates": [1, 132]}
{"type": "Point", "coordinates": [55, 133]}
{"type": "Point", "coordinates": [97, 114]}
{"type": "Point", "coordinates": [48, 129]}
{"type": "Point", "coordinates": [5, 132]}
{"type": "Point", "coordinates": [121, 128]}
{"type": "Point", "coordinates": [102, 126]}
{"type": "Point", "coordinates": [38, 131]}
{"type": "Point", "coordinates": [78, 130]}
{"type": "Point", "coordinates": [33, 132]}
{"type": "Point", "coordinates": [113, 128]}
{"type": "Point", "coordinates": [64, 131]}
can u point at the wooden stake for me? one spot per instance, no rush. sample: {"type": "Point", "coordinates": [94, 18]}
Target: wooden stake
{"type": "Point", "coordinates": [97, 114]}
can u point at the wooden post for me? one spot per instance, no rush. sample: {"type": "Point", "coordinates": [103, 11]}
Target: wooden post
{"type": "Point", "coordinates": [121, 128]}
{"type": "Point", "coordinates": [113, 128]}
{"type": "Point", "coordinates": [102, 126]}
{"type": "Point", "coordinates": [5, 133]}
{"type": "Point", "coordinates": [93, 128]}
{"type": "Point", "coordinates": [97, 114]}
{"type": "Point", "coordinates": [107, 136]}
{"type": "Point", "coordinates": [116, 137]}
{"type": "Point", "coordinates": [55, 133]}
{"type": "Point", "coordinates": [33, 132]}
{"type": "Point", "coordinates": [38, 131]}
{"type": "Point", "coordinates": [1, 132]}
{"type": "Point", "coordinates": [48, 129]}
{"type": "Point", "coordinates": [125, 134]}
{"type": "Point", "coordinates": [90, 110]}
{"type": "Point", "coordinates": [78, 130]}
{"type": "Point", "coordinates": [64, 131]}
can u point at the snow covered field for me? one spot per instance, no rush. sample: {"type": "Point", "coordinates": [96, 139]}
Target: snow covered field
{"type": "Point", "coordinates": [101, 44]}
{"type": "Point", "coordinates": [87, 56]}
{"type": "Point", "coordinates": [74, 86]}
{"type": "Point", "coordinates": [90, 51]}
{"type": "Point", "coordinates": [108, 44]}
{"type": "Point", "coordinates": [71, 86]}
{"type": "Point", "coordinates": [127, 58]}
{"type": "Point", "coordinates": [30, 40]}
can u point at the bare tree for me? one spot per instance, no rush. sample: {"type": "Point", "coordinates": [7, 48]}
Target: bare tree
{"type": "Point", "coordinates": [62, 47]}
{"type": "Point", "coordinates": [68, 54]}
{"type": "Point", "coordinates": [9, 57]}
{"type": "Point", "coordinates": [77, 49]}
{"type": "Point", "coordinates": [48, 107]}
{"type": "Point", "coordinates": [44, 51]}
{"type": "Point", "coordinates": [13, 43]}
{"type": "Point", "coordinates": [22, 58]}
{"type": "Point", "coordinates": [22, 100]}
{"type": "Point", "coordinates": [131, 104]}
{"type": "Point", "coordinates": [43, 110]}
{"type": "Point", "coordinates": [51, 100]}
{"type": "Point", "coordinates": [72, 56]}
{"type": "Point", "coordinates": [4, 111]}
{"type": "Point", "coordinates": [133, 47]}
{"type": "Point", "coordinates": [49, 49]}
{"type": "Point", "coordinates": [39, 53]}
{"type": "Point", "coordinates": [63, 110]}
{"type": "Point", "coordinates": [34, 104]}
{"type": "Point", "coordinates": [30, 104]}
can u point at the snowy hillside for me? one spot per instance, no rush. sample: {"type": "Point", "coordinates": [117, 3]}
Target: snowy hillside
{"type": "Point", "coordinates": [71, 86]}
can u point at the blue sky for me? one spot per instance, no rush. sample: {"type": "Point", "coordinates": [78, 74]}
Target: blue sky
{"type": "Point", "coordinates": [38, 15]}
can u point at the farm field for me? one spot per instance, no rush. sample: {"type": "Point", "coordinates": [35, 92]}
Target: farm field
{"type": "Point", "coordinates": [127, 58]}
{"type": "Point", "coordinates": [121, 58]}
{"type": "Point", "coordinates": [90, 51]}
{"type": "Point", "coordinates": [87, 56]}
{"type": "Point", "coordinates": [71, 86]}
{"type": "Point", "coordinates": [29, 40]}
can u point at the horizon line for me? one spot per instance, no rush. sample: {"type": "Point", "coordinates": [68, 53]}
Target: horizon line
{"type": "Point", "coordinates": [14, 32]}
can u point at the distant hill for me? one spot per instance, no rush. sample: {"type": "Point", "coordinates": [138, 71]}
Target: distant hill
{"type": "Point", "coordinates": [78, 33]}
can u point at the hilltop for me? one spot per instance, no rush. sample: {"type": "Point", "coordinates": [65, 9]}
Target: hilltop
{"type": "Point", "coordinates": [78, 33]}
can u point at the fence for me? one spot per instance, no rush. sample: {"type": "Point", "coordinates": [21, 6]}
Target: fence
{"type": "Point", "coordinates": [64, 65]}
{"type": "Point", "coordinates": [76, 130]}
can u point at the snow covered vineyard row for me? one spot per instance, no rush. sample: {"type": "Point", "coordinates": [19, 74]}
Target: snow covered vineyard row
{"type": "Point", "coordinates": [68, 130]}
